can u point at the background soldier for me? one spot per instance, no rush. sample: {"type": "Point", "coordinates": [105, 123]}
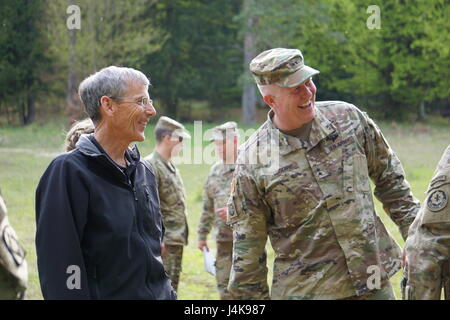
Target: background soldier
{"type": "Point", "coordinates": [13, 266]}
{"type": "Point", "coordinates": [316, 204]}
{"type": "Point", "coordinates": [216, 194]}
{"type": "Point", "coordinates": [169, 137]}
{"type": "Point", "coordinates": [428, 245]}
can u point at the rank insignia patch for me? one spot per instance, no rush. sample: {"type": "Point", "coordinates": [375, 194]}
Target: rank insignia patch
{"type": "Point", "coordinates": [437, 200]}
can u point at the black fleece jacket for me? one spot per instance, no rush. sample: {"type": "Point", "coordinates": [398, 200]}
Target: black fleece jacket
{"type": "Point", "coordinates": [99, 228]}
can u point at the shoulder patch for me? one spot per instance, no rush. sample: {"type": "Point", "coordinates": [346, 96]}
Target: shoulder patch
{"type": "Point", "coordinates": [437, 200]}
{"type": "Point", "coordinates": [13, 245]}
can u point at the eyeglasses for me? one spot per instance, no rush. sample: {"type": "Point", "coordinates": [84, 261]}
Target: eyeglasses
{"type": "Point", "coordinates": [143, 102]}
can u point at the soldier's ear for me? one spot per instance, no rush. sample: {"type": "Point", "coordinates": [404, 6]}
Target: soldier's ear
{"type": "Point", "coordinates": [269, 99]}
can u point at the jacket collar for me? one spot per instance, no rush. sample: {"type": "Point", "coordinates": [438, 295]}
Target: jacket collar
{"type": "Point", "coordinates": [90, 147]}
{"type": "Point", "coordinates": [168, 164]}
{"type": "Point", "coordinates": [225, 168]}
{"type": "Point", "coordinates": [321, 129]}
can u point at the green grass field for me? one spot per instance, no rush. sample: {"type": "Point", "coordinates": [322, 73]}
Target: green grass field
{"type": "Point", "coordinates": [26, 152]}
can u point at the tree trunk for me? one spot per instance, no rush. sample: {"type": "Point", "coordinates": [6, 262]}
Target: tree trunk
{"type": "Point", "coordinates": [422, 116]}
{"type": "Point", "coordinates": [172, 107]}
{"type": "Point", "coordinates": [29, 109]}
{"type": "Point", "coordinates": [249, 94]}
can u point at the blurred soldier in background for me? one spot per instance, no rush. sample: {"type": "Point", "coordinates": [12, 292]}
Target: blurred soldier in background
{"type": "Point", "coordinates": [428, 244]}
{"type": "Point", "coordinates": [13, 266]}
{"type": "Point", "coordinates": [215, 196]}
{"type": "Point", "coordinates": [85, 126]}
{"type": "Point", "coordinates": [315, 204]}
{"type": "Point", "coordinates": [169, 137]}
{"type": "Point", "coordinates": [98, 221]}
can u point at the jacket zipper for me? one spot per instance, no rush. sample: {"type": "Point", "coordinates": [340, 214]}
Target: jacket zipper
{"type": "Point", "coordinates": [147, 247]}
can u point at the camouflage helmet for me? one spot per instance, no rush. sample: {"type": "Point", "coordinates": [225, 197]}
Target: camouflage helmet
{"type": "Point", "coordinates": [282, 67]}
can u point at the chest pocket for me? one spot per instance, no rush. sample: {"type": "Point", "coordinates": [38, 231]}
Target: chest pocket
{"type": "Point", "coordinates": [360, 173]}
{"type": "Point", "coordinates": [171, 191]}
{"type": "Point", "coordinates": [292, 194]}
{"type": "Point", "coordinates": [435, 207]}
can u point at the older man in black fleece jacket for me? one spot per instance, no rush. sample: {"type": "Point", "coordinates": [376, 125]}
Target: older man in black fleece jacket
{"type": "Point", "coordinates": [99, 226]}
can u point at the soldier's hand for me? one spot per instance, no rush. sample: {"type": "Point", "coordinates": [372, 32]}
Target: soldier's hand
{"type": "Point", "coordinates": [201, 244]}
{"type": "Point", "coordinates": [222, 213]}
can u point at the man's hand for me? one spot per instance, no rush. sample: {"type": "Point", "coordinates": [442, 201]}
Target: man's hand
{"type": "Point", "coordinates": [222, 213]}
{"type": "Point", "coordinates": [201, 244]}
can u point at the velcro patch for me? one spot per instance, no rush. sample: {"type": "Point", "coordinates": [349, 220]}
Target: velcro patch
{"type": "Point", "coordinates": [437, 200]}
{"type": "Point", "coordinates": [14, 247]}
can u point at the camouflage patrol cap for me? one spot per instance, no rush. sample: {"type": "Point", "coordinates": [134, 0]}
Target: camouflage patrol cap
{"type": "Point", "coordinates": [175, 127]}
{"type": "Point", "coordinates": [225, 131]}
{"type": "Point", "coordinates": [282, 67]}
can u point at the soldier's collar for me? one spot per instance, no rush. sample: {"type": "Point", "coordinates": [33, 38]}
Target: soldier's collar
{"type": "Point", "coordinates": [168, 164]}
{"type": "Point", "coordinates": [228, 167]}
{"type": "Point", "coordinates": [321, 128]}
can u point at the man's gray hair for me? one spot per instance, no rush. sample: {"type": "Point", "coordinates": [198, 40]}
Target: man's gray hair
{"type": "Point", "coordinates": [111, 81]}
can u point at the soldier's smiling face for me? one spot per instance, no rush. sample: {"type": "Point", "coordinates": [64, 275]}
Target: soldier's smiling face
{"type": "Point", "coordinates": [295, 106]}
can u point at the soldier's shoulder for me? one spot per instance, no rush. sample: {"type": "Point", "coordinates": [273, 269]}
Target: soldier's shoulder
{"type": "Point", "coordinates": [444, 163]}
{"type": "Point", "coordinates": [260, 136]}
{"type": "Point", "coordinates": [153, 160]}
{"type": "Point", "coordinates": [148, 165]}
{"type": "Point", "coordinates": [339, 110]}
{"type": "Point", "coordinates": [215, 168]}
{"type": "Point", "coordinates": [441, 175]}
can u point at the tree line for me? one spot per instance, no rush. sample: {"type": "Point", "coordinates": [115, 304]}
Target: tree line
{"type": "Point", "coordinates": [196, 53]}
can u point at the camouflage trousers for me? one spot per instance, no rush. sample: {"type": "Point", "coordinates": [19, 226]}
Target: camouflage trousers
{"type": "Point", "coordinates": [385, 293]}
{"type": "Point", "coordinates": [223, 267]}
{"type": "Point", "coordinates": [172, 259]}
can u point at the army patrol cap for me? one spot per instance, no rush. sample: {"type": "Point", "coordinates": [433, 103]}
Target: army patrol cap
{"type": "Point", "coordinates": [177, 129]}
{"type": "Point", "coordinates": [225, 131]}
{"type": "Point", "coordinates": [282, 67]}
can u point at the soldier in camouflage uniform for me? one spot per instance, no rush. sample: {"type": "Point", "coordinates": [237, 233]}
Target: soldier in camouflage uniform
{"type": "Point", "coordinates": [215, 196]}
{"type": "Point", "coordinates": [13, 266]}
{"type": "Point", "coordinates": [303, 180]}
{"type": "Point", "coordinates": [428, 244]}
{"type": "Point", "coordinates": [169, 136]}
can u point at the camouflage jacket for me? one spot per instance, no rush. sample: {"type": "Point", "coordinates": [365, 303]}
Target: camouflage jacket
{"type": "Point", "coordinates": [215, 195]}
{"type": "Point", "coordinates": [428, 244]}
{"type": "Point", "coordinates": [172, 199]}
{"type": "Point", "coordinates": [13, 266]}
{"type": "Point", "coordinates": [313, 199]}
